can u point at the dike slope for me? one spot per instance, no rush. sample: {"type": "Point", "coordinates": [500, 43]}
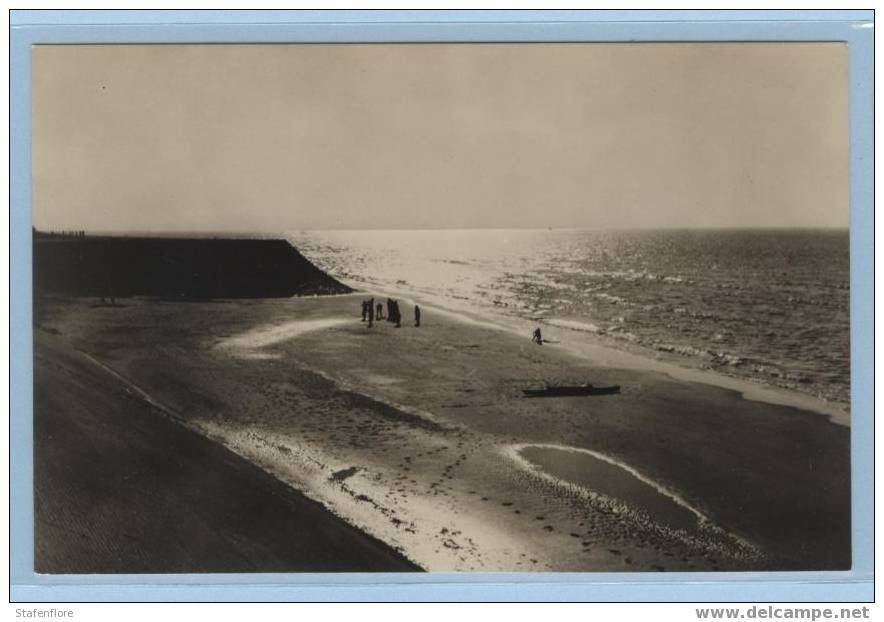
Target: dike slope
{"type": "Point", "coordinates": [175, 268]}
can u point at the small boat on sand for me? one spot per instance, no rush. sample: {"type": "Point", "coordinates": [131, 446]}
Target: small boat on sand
{"type": "Point", "coordinates": [571, 391]}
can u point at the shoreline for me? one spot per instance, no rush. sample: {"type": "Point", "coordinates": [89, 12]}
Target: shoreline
{"type": "Point", "coordinates": [347, 415]}
{"type": "Point", "coordinates": [483, 282]}
{"type": "Point", "coordinates": [588, 345]}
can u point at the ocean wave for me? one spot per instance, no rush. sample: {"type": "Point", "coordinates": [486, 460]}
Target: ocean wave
{"type": "Point", "coordinates": [585, 327]}
{"type": "Point", "coordinates": [611, 298]}
{"type": "Point", "coordinates": [722, 358]}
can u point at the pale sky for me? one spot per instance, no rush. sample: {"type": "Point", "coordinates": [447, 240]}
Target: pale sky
{"type": "Point", "coordinates": [273, 138]}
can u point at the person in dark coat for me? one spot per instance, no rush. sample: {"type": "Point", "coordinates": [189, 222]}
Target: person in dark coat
{"type": "Point", "coordinates": [380, 312]}
{"type": "Point", "coordinates": [397, 316]}
{"type": "Point", "coordinates": [389, 309]}
{"type": "Point", "coordinates": [417, 315]}
{"type": "Point", "coordinates": [537, 337]}
{"type": "Point", "coordinates": [371, 313]}
{"type": "Point", "coordinates": [364, 310]}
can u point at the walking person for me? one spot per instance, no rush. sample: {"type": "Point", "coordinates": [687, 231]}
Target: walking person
{"type": "Point", "coordinates": [537, 337]}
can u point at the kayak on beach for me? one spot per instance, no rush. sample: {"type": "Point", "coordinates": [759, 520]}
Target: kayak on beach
{"type": "Point", "coordinates": [568, 391]}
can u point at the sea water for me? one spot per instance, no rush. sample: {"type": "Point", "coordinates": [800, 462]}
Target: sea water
{"type": "Point", "coordinates": [770, 305]}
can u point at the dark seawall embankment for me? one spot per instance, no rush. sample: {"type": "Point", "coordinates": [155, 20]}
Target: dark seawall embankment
{"type": "Point", "coordinates": [119, 488]}
{"type": "Point", "coordinates": [175, 268]}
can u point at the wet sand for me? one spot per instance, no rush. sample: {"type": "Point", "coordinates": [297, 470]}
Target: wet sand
{"type": "Point", "coordinates": [408, 434]}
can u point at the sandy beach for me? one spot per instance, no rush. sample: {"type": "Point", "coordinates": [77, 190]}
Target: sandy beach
{"type": "Point", "coordinates": [421, 439]}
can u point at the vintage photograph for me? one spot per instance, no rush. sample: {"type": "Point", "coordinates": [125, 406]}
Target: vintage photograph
{"type": "Point", "coordinates": [546, 307]}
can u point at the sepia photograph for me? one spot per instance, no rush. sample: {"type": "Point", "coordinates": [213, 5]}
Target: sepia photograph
{"type": "Point", "coordinates": [441, 307]}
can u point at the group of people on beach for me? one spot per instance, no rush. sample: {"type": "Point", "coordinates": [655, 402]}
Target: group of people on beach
{"type": "Point", "coordinates": [372, 312]}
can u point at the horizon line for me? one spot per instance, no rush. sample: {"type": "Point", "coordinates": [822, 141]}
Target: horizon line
{"type": "Point", "coordinates": [405, 229]}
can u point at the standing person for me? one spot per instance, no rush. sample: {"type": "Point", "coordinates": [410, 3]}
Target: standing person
{"type": "Point", "coordinates": [389, 309]}
{"type": "Point", "coordinates": [397, 317]}
{"type": "Point", "coordinates": [380, 312]}
{"type": "Point", "coordinates": [364, 311]}
{"type": "Point", "coordinates": [417, 315]}
{"type": "Point", "coordinates": [370, 312]}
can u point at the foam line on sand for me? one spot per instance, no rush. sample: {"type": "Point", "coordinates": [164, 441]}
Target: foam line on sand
{"type": "Point", "coordinates": [514, 452]}
{"type": "Point", "coordinates": [741, 548]}
{"type": "Point", "coordinates": [264, 336]}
